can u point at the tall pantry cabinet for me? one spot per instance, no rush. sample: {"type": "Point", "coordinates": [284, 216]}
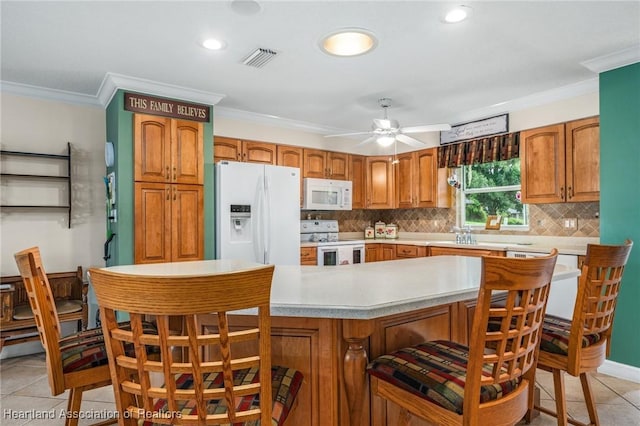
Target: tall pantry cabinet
{"type": "Point", "coordinates": [168, 189]}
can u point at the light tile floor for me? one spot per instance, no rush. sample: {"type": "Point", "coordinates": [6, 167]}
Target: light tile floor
{"type": "Point", "coordinates": [24, 388]}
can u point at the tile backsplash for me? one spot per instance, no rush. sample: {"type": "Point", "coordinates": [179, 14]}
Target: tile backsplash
{"type": "Point", "coordinates": [544, 219]}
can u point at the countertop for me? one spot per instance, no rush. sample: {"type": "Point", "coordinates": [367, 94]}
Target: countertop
{"type": "Point", "coordinates": [533, 244]}
{"type": "Point", "coordinates": [362, 291]}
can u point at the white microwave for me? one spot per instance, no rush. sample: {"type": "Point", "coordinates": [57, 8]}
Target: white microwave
{"type": "Point", "coordinates": [326, 194]}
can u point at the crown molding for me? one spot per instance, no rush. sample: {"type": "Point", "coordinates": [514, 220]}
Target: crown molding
{"type": "Point", "coordinates": [537, 99]}
{"type": "Point", "coordinates": [113, 82]}
{"type": "Point", "coordinates": [613, 60]}
{"type": "Point", "coordinates": [48, 94]}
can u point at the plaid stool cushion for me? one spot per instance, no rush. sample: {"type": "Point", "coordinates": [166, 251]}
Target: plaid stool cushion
{"type": "Point", "coordinates": [285, 384]}
{"type": "Point", "coordinates": [86, 349]}
{"type": "Point", "coordinates": [435, 371]}
{"type": "Point", "coordinates": [555, 335]}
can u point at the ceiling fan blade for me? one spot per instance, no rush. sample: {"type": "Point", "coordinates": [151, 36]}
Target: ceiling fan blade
{"type": "Point", "coordinates": [426, 128]}
{"type": "Point", "coordinates": [368, 140]}
{"type": "Point", "coordinates": [347, 134]}
{"type": "Point", "coordinates": [385, 123]}
{"type": "Point", "coordinates": [410, 141]}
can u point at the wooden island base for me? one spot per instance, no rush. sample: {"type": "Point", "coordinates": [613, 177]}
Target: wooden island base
{"type": "Point", "coordinates": [332, 355]}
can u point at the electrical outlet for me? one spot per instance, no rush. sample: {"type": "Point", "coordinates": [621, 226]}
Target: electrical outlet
{"type": "Point", "coordinates": [571, 223]}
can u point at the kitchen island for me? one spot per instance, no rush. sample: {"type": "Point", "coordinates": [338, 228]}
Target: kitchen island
{"type": "Point", "coordinates": [326, 319]}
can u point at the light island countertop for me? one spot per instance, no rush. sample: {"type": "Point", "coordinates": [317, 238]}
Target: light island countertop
{"type": "Point", "coordinates": [362, 291]}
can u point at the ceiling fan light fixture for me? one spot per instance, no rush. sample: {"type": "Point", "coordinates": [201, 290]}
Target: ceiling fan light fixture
{"type": "Point", "coordinates": [457, 14]}
{"type": "Point", "coordinates": [348, 42]}
{"type": "Point", "coordinates": [385, 140]}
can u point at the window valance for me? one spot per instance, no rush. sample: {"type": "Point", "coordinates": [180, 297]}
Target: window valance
{"type": "Point", "coordinates": [482, 150]}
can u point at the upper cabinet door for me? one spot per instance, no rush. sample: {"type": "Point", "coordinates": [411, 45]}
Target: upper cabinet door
{"type": "Point", "coordinates": [338, 165]}
{"type": "Point", "coordinates": [380, 183]}
{"type": "Point", "coordinates": [152, 148]}
{"type": "Point", "coordinates": [259, 152]}
{"type": "Point", "coordinates": [429, 181]}
{"type": "Point", "coordinates": [583, 160]}
{"type": "Point", "coordinates": [357, 177]}
{"type": "Point", "coordinates": [290, 156]}
{"type": "Point", "coordinates": [405, 182]}
{"type": "Point", "coordinates": [542, 157]}
{"type": "Point", "coordinates": [187, 157]}
{"type": "Point", "coordinates": [226, 149]}
{"type": "Point", "coordinates": [315, 163]}
{"type": "Point", "coordinates": [167, 150]}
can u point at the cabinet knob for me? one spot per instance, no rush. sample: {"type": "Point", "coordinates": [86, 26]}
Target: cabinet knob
{"type": "Point", "coordinates": [562, 192]}
{"type": "Point", "coordinates": [168, 193]}
{"type": "Point", "coordinates": [175, 192]}
{"type": "Point", "coordinates": [168, 175]}
{"type": "Point", "coordinates": [174, 173]}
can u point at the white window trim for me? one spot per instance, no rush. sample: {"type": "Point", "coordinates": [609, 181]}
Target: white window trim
{"type": "Point", "coordinates": [460, 201]}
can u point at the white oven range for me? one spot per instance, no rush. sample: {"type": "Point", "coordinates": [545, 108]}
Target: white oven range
{"type": "Point", "coordinates": [331, 250]}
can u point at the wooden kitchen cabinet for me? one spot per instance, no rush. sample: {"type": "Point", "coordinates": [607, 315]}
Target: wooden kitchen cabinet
{"type": "Point", "coordinates": [290, 156]}
{"type": "Point", "coordinates": [405, 251]}
{"type": "Point", "coordinates": [583, 160]}
{"type": "Point", "coordinates": [357, 177]}
{"type": "Point", "coordinates": [454, 251]}
{"type": "Point", "coordinates": [379, 183]}
{"type": "Point", "coordinates": [372, 252]}
{"type": "Point", "coordinates": [232, 149]}
{"type": "Point", "coordinates": [561, 163]}
{"type": "Point", "coordinates": [168, 150]}
{"type": "Point", "coordinates": [169, 223]}
{"type": "Point", "coordinates": [419, 181]}
{"type": "Point", "coordinates": [325, 164]}
{"type": "Point", "coordinates": [308, 256]}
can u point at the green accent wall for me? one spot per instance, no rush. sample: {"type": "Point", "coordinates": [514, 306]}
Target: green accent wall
{"type": "Point", "coordinates": [120, 132]}
{"type": "Point", "coordinates": [620, 197]}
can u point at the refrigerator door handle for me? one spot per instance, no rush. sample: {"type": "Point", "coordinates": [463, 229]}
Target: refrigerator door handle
{"type": "Point", "coordinates": [258, 228]}
{"type": "Point", "coordinates": [267, 219]}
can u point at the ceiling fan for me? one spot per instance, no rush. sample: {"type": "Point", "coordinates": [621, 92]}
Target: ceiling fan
{"type": "Point", "coordinates": [386, 131]}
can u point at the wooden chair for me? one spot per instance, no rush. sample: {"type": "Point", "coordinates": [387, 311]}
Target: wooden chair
{"type": "Point", "coordinates": [77, 362]}
{"type": "Point", "coordinates": [580, 345]}
{"type": "Point", "coordinates": [447, 383]}
{"type": "Point", "coordinates": [226, 376]}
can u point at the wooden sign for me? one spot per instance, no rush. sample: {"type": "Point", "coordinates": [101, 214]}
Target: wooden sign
{"type": "Point", "coordinates": [475, 129]}
{"type": "Point", "coordinates": [166, 107]}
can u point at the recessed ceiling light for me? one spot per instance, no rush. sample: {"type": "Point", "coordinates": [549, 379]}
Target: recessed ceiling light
{"type": "Point", "coordinates": [348, 42]}
{"type": "Point", "coordinates": [457, 14]}
{"type": "Point", "coordinates": [213, 44]}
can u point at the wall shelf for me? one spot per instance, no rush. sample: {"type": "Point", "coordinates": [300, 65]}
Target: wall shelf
{"type": "Point", "coordinates": [41, 177]}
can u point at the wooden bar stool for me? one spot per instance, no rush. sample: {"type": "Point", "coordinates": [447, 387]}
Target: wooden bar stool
{"type": "Point", "coordinates": [580, 345]}
{"type": "Point", "coordinates": [226, 376]}
{"type": "Point", "coordinates": [488, 382]}
{"type": "Point", "coordinates": [77, 362]}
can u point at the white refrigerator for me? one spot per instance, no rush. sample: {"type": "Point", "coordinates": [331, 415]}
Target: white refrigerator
{"type": "Point", "coordinates": [257, 213]}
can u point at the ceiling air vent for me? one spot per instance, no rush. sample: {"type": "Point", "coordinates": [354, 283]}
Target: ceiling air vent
{"type": "Point", "coordinates": [259, 57]}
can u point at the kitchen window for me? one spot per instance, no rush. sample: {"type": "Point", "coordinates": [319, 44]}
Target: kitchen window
{"type": "Point", "coordinates": [492, 189]}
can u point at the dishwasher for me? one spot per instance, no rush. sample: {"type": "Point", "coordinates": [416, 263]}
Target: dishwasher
{"type": "Point", "coordinates": [562, 296]}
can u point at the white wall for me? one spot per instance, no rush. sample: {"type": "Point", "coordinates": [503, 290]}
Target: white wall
{"type": "Point", "coordinates": [34, 125]}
